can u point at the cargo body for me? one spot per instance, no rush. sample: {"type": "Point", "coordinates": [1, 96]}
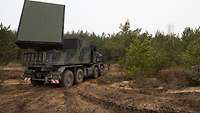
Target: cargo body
{"type": "Point", "coordinates": [47, 56]}
{"type": "Point", "coordinates": [48, 66]}
{"type": "Point", "coordinates": [74, 51]}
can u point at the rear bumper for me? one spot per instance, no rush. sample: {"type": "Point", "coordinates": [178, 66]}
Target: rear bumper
{"type": "Point", "coordinates": [46, 80]}
{"type": "Point", "coordinates": [46, 77]}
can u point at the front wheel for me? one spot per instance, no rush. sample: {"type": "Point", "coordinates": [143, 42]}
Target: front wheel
{"type": "Point", "coordinates": [67, 79]}
{"type": "Point", "coordinates": [101, 71]}
{"type": "Point", "coordinates": [79, 76]}
{"type": "Point", "coordinates": [96, 72]}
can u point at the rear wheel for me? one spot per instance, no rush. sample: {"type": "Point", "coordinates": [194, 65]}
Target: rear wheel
{"type": "Point", "coordinates": [67, 79]}
{"type": "Point", "coordinates": [79, 76]}
{"type": "Point", "coordinates": [96, 72]}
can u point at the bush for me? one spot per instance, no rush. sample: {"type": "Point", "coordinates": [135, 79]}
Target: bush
{"type": "Point", "coordinates": [8, 50]}
{"type": "Point", "coordinates": [141, 57]}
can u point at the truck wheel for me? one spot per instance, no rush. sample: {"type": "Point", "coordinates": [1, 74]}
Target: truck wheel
{"type": "Point", "coordinates": [67, 79]}
{"type": "Point", "coordinates": [79, 76]}
{"type": "Point", "coordinates": [101, 70]}
{"type": "Point", "coordinates": [96, 72]}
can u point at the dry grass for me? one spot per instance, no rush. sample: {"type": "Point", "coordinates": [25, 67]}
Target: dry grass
{"type": "Point", "coordinates": [11, 71]}
{"type": "Point", "coordinates": [175, 77]}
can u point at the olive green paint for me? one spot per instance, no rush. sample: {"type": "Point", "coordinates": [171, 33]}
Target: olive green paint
{"type": "Point", "coordinates": [41, 22]}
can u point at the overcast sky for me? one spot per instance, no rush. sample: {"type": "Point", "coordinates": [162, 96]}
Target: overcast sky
{"type": "Point", "coordinates": [106, 15]}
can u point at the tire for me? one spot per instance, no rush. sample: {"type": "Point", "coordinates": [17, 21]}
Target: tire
{"type": "Point", "coordinates": [79, 76]}
{"type": "Point", "coordinates": [96, 72]}
{"type": "Point", "coordinates": [101, 70]}
{"type": "Point", "coordinates": [67, 79]}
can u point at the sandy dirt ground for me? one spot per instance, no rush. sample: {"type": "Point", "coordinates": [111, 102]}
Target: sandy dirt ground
{"type": "Point", "coordinates": [111, 93]}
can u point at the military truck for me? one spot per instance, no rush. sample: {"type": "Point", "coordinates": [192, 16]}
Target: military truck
{"type": "Point", "coordinates": [49, 58]}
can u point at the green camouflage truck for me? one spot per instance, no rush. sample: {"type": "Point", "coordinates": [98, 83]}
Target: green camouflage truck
{"type": "Point", "coordinates": [49, 58]}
